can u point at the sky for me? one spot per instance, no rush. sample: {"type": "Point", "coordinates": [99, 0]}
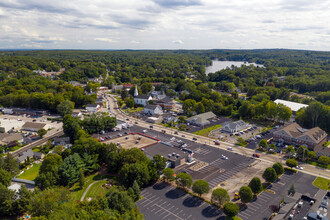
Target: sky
{"type": "Point", "coordinates": [165, 24]}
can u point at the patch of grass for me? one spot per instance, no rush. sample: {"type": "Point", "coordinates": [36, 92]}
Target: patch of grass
{"type": "Point", "coordinates": [205, 132]}
{"type": "Point", "coordinates": [97, 189]}
{"type": "Point", "coordinates": [133, 110]}
{"type": "Point", "coordinates": [322, 183]}
{"type": "Point", "coordinates": [233, 218]}
{"type": "Point", "coordinates": [31, 173]}
{"type": "Point", "coordinates": [314, 163]}
{"type": "Point", "coordinates": [77, 192]}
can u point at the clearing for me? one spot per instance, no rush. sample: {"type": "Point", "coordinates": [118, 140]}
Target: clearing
{"type": "Point", "coordinates": [31, 173]}
{"type": "Point", "coordinates": [130, 142]}
{"type": "Point", "coordinates": [205, 132]}
{"type": "Point", "coordinates": [322, 183]}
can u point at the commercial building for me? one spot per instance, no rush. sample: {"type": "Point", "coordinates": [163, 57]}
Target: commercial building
{"type": "Point", "coordinates": [234, 127]}
{"type": "Point", "coordinates": [201, 119]}
{"type": "Point", "coordinates": [294, 106]}
{"type": "Point", "coordinates": [322, 150]}
{"type": "Point", "coordinates": [23, 111]}
{"type": "Point", "coordinates": [10, 139]}
{"type": "Point", "coordinates": [92, 108]}
{"type": "Point", "coordinates": [294, 134]}
{"type": "Point", "coordinates": [33, 126]}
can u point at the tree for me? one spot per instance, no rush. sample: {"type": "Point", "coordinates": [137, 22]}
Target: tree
{"type": "Point", "coordinates": [159, 162]}
{"type": "Point", "coordinates": [278, 168]}
{"type": "Point", "coordinates": [146, 87]}
{"type": "Point", "coordinates": [272, 147]}
{"type": "Point", "coordinates": [290, 149]}
{"type": "Point", "coordinates": [183, 180]}
{"type": "Point", "coordinates": [136, 190]}
{"type": "Point", "coordinates": [168, 174]}
{"type": "Point", "coordinates": [231, 209]}
{"type": "Point", "coordinates": [119, 200]}
{"type": "Point", "coordinates": [6, 200]}
{"type": "Point", "coordinates": [50, 163]}
{"type": "Point", "coordinates": [220, 196]}
{"type": "Point", "coordinates": [65, 107]}
{"type": "Point", "coordinates": [23, 203]}
{"type": "Point", "coordinates": [69, 169]}
{"type": "Point", "coordinates": [284, 113]}
{"type": "Point", "coordinates": [41, 132]}
{"type": "Point", "coordinates": [263, 144]}
{"type": "Point", "coordinates": [124, 93]}
{"type": "Point", "coordinates": [47, 180]}
{"type": "Point", "coordinates": [5, 177]}
{"type": "Point", "coordinates": [269, 175]}
{"type": "Point", "coordinates": [129, 103]}
{"type": "Point", "coordinates": [302, 153]}
{"type": "Point", "coordinates": [131, 172]}
{"type": "Point", "coordinates": [324, 160]}
{"type": "Point", "coordinates": [10, 164]}
{"type": "Point", "coordinates": [81, 178]}
{"type": "Point", "coordinates": [246, 194]}
{"type": "Point", "coordinates": [255, 185]}
{"type": "Point", "coordinates": [311, 155]}
{"type": "Point", "coordinates": [199, 108]}
{"type": "Point", "coordinates": [200, 187]}
{"type": "Point", "coordinates": [291, 163]}
{"type": "Point", "coordinates": [292, 190]}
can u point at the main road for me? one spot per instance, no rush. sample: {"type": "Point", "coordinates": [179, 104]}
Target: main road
{"type": "Point", "coordinates": [309, 169]}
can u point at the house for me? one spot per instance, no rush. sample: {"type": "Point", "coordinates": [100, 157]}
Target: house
{"type": "Point", "coordinates": [76, 114]}
{"type": "Point", "coordinates": [233, 127]}
{"type": "Point", "coordinates": [169, 119]}
{"type": "Point", "coordinates": [294, 106]}
{"type": "Point", "coordinates": [92, 108]}
{"type": "Point", "coordinates": [142, 99]}
{"type": "Point", "coordinates": [293, 134]}
{"type": "Point", "coordinates": [201, 119]}
{"type": "Point", "coordinates": [115, 88]}
{"type": "Point", "coordinates": [166, 103]}
{"type": "Point", "coordinates": [99, 101]}
{"type": "Point", "coordinates": [153, 109]}
{"type": "Point", "coordinates": [102, 89]}
{"type": "Point", "coordinates": [63, 141]}
{"type": "Point", "coordinates": [29, 154]}
{"type": "Point", "coordinates": [33, 126]}
{"type": "Point", "coordinates": [10, 139]}
{"type": "Point", "coordinates": [322, 150]}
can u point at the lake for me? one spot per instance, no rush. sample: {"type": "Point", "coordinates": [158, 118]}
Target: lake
{"type": "Point", "coordinates": [220, 65]}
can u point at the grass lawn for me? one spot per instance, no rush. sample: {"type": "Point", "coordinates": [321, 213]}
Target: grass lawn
{"type": "Point", "coordinates": [31, 173]}
{"type": "Point", "coordinates": [319, 165]}
{"type": "Point", "coordinates": [96, 189]}
{"type": "Point", "coordinates": [133, 110]}
{"type": "Point", "coordinates": [233, 218]}
{"type": "Point", "coordinates": [322, 183]}
{"type": "Point", "coordinates": [205, 132]}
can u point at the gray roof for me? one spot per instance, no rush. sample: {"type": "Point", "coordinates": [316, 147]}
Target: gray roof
{"type": "Point", "coordinates": [92, 105]}
{"type": "Point", "coordinates": [33, 125]}
{"type": "Point", "coordinates": [29, 153]}
{"type": "Point", "coordinates": [7, 138]}
{"type": "Point", "coordinates": [151, 107]}
{"type": "Point", "coordinates": [142, 97]}
{"type": "Point", "coordinates": [235, 124]}
{"type": "Point", "coordinates": [166, 100]}
{"type": "Point", "coordinates": [201, 118]}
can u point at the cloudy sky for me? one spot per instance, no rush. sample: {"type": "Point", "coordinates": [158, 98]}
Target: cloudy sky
{"type": "Point", "coordinates": [165, 24]}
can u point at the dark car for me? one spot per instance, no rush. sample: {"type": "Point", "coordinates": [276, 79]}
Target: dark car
{"type": "Point", "coordinates": [136, 122]}
{"type": "Point", "coordinates": [176, 132]}
{"type": "Point", "coordinates": [195, 139]}
{"type": "Point", "coordinates": [151, 126]}
{"type": "Point", "coordinates": [256, 155]}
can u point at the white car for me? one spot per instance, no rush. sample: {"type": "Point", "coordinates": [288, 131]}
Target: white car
{"type": "Point", "coordinates": [224, 157]}
{"type": "Point", "coordinates": [230, 148]}
{"type": "Point", "coordinates": [299, 168]}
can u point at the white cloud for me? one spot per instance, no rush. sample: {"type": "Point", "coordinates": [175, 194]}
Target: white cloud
{"type": "Point", "coordinates": [165, 24]}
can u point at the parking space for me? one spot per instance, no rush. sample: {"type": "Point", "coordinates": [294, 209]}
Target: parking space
{"type": "Point", "coordinates": [162, 201]}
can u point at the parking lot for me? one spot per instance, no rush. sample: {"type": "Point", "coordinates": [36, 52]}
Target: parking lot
{"type": "Point", "coordinates": [131, 140]}
{"type": "Point", "coordinates": [162, 201]}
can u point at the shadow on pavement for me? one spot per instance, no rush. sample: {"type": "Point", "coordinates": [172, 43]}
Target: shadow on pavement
{"type": "Point", "coordinates": [192, 202]}
{"type": "Point", "coordinates": [211, 212]}
{"type": "Point", "coordinates": [160, 186]}
{"type": "Point", "coordinates": [175, 194]}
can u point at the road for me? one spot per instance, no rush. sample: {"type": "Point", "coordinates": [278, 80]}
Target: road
{"type": "Point", "coordinates": [36, 143]}
{"type": "Point", "coordinates": [119, 114]}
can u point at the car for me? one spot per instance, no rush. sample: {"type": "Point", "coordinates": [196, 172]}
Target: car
{"type": "Point", "coordinates": [183, 135]}
{"type": "Point", "coordinates": [127, 119]}
{"type": "Point", "coordinates": [144, 131]}
{"type": "Point", "coordinates": [119, 134]}
{"type": "Point", "coordinates": [300, 204]}
{"type": "Point", "coordinates": [216, 142]}
{"type": "Point", "coordinates": [299, 167]}
{"type": "Point", "coordinates": [194, 139]}
{"type": "Point", "coordinates": [236, 196]}
{"type": "Point", "coordinates": [224, 157]}
{"type": "Point", "coordinates": [256, 155]}
{"type": "Point", "coordinates": [176, 132]}
{"type": "Point", "coordinates": [136, 122]}
{"type": "Point", "coordinates": [34, 120]}
{"type": "Point", "coordinates": [151, 126]}
{"type": "Point", "coordinates": [126, 132]}
{"type": "Point", "coordinates": [101, 138]}
{"type": "Point", "coordinates": [230, 148]}
{"type": "Point", "coordinates": [19, 119]}
{"type": "Point", "coordinates": [276, 127]}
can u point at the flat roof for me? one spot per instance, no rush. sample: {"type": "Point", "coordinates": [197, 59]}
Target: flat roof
{"type": "Point", "coordinates": [294, 106]}
{"type": "Point", "coordinates": [163, 150]}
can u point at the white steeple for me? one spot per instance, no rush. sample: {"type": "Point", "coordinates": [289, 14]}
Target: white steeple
{"type": "Point", "coordinates": [136, 93]}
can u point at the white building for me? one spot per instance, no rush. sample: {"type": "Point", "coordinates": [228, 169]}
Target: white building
{"type": "Point", "coordinates": [153, 109]}
{"type": "Point", "coordinates": [142, 99]}
{"type": "Point", "coordinates": [234, 126]}
{"type": "Point", "coordinates": [294, 106]}
{"type": "Point", "coordinates": [92, 108]}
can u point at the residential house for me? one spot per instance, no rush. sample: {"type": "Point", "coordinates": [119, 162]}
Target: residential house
{"type": "Point", "coordinates": [142, 99]}
{"type": "Point", "coordinates": [92, 108]}
{"type": "Point", "coordinates": [166, 103]}
{"type": "Point", "coordinates": [233, 127]}
{"type": "Point", "coordinates": [76, 114]}
{"type": "Point", "coordinates": [201, 119]}
{"type": "Point", "coordinates": [294, 134]}
{"type": "Point", "coordinates": [63, 141]}
{"type": "Point", "coordinates": [33, 126]}
{"type": "Point", "coordinates": [10, 139]}
{"type": "Point", "coordinates": [153, 109]}
{"type": "Point", "coordinates": [30, 154]}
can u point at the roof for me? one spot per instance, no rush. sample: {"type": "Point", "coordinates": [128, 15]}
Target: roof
{"type": "Point", "coordinates": [33, 125]}
{"type": "Point", "coordinates": [128, 85]}
{"type": "Point", "coordinates": [92, 105]}
{"type": "Point", "coordinates": [166, 100]}
{"type": "Point", "coordinates": [62, 139]}
{"type": "Point", "coordinates": [142, 97]}
{"type": "Point", "coordinates": [164, 150]}
{"type": "Point", "coordinates": [151, 107]}
{"type": "Point", "coordinates": [322, 150]}
{"type": "Point", "coordinates": [201, 118]}
{"type": "Point", "coordinates": [294, 106]}
{"type": "Point", "coordinates": [294, 130]}
{"type": "Point", "coordinates": [29, 153]}
{"type": "Point", "coordinates": [7, 138]}
{"type": "Point", "coordinates": [236, 124]}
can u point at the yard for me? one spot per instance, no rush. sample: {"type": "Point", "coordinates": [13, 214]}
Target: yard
{"type": "Point", "coordinates": [97, 189]}
{"type": "Point", "coordinates": [322, 183]}
{"type": "Point", "coordinates": [205, 132]}
{"type": "Point", "coordinates": [31, 173]}
{"type": "Point", "coordinates": [133, 110]}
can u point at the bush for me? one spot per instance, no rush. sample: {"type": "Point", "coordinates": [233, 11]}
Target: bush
{"type": "Point", "coordinates": [246, 194]}
{"type": "Point", "coordinates": [255, 185]}
{"type": "Point", "coordinates": [269, 175]}
{"type": "Point", "coordinates": [291, 163]}
{"type": "Point", "coordinates": [278, 168]}
{"type": "Point", "coordinates": [231, 209]}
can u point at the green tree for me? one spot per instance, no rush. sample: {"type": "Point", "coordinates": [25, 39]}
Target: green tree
{"type": "Point", "coordinates": [136, 190]}
{"type": "Point", "coordinates": [255, 185]}
{"type": "Point", "coordinates": [200, 187]}
{"type": "Point", "coordinates": [41, 132]}
{"type": "Point", "coordinates": [124, 93]}
{"type": "Point", "coordinates": [302, 153]}
{"type": "Point", "coordinates": [278, 168]}
{"type": "Point", "coordinates": [168, 174]}
{"type": "Point", "coordinates": [81, 178]}
{"type": "Point", "coordinates": [23, 203]}
{"type": "Point", "coordinates": [291, 163]}
{"type": "Point", "coordinates": [199, 108]}
{"type": "Point", "coordinates": [263, 144]}
{"type": "Point", "coordinates": [159, 162]}
{"type": "Point", "coordinates": [47, 179]}
{"type": "Point", "coordinates": [129, 103]}
{"type": "Point", "coordinates": [290, 149]}
{"type": "Point", "coordinates": [10, 164]}
{"type": "Point", "coordinates": [220, 196]}
{"type": "Point", "coordinates": [311, 155]}
{"type": "Point", "coordinates": [231, 209]}
{"type": "Point", "coordinates": [324, 160]}
{"type": "Point", "coordinates": [183, 180]}
{"type": "Point", "coordinates": [272, 147]}
{"type": "Point", "coordinates": [6, 200]}
{"type": "Point", "coordinates": [136, 171]}
{"type": "Point", "coordinates": [269, 175]}
{"type": "Point", "coordinates": [5, 177]}
{"type": "Point", "coordinates": [146, 87]}
{"type": "Point", "coordinates": [50, 163]}
{"type": "Point", "coordinates": [246, 194]}
{"type": "Point", "coordinates": [69, 169]}
{"type": "Point", "coordinates": [119, 200]}
{"type": "Point", "coordinates": [292, 189]}
{"type": "Point", "coordinates": [65, 107]}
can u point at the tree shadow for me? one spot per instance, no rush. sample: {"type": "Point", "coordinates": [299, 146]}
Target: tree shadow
{"type": "Point", "coordinates": [192, 202]}
{"type": "Point", "coordinates": [175, 194]}
{"type": "Point", "coordinates": [211, 212]}
{"type": "Point", "coordinates": [160, 186]}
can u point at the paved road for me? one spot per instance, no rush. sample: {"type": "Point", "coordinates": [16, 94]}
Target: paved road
{"type": "Point", "coordinates": [309, 169]}
{"type": "Point", "coordinates": [86, 190]}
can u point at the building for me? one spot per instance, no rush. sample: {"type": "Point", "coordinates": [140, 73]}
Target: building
{"type": "Point", "coordinates": [154, 120]}
{"type": "Point", "coordinates": [92, 108]}
{"type": "Point", "coordinates": [153, 109]}
{"type": "Point", "coordinates": [201, 119]}
{"type": "Point", "coordinates": [115, 88]}
{"type": "Point", "coordinates": [234, 127]}
{"type": "Point", "coordinates": [322, 150]}
{"type": "Point", "coordinates": [166, 103]}
{"type": "Point", "coordinates": [63, 141]}
{"type": "Point", "coordinates": [23, 111]}
{"type": "Point", "coordinates": [294, 106]}
{"type": "Point", "coordinates": [30, 154]}
{"type": "Point", "coordinates": [99, 101]}
{"type": "Point", "coordinates": [76, 114]}
{"type": "Point", "coordinates": [142, 99]}
{"type": "Point", "coordinates": [169, 118]}
{"type": "Point", "coordinates": [293, 134]}
{"type": "Point", "coordinates": [33, 126]}
{"type": "Point", "coordinates": [102, 89]}
{"type": "Point", "coordinates": [10, 139]}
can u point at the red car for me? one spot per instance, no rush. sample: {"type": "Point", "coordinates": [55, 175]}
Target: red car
{"type": "Point", "coordinates": [256, 155]}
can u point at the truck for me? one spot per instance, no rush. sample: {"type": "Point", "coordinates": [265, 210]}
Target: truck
{"type": "Point", "coordinates": [236, 196]}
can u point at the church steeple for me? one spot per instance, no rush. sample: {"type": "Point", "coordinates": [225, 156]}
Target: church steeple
{"type": "Point", "coordinates": [136, 92]}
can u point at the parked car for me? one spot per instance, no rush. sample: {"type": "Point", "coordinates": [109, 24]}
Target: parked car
{"type": "Point", "coordinates": [151, 126]}
{"type": "Point", "coordinates": [136, 122]}
{"type": "Point", "coordinates": [230, 148]}
{"type": "Point", "coordinates": [194, 139]}
{"type": "Point", "coordinates": [256, 155]}
{"type": "Point", "coordinates": [224, 157]}
{"type": "Point", "coordinates": [183, 135]}
{"type": "Point", "coordinates": [299, 167]}
{"type": "Point", "coordinates": [176, 132]}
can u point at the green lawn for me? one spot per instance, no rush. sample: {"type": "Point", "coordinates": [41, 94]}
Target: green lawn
{"type": "Point", "coordinates": [233, 218]}
{"type": "Point", "coordinates": [205, 132]}
{"type": "Point", "coordinates": [319, 164]}
{"type": "Point", "coordinates": [31, 173]}
{"type": "Point", "coordinates": [133, 110]}
{"type": "Point", "coordinates": [322, 183]}
{"type": "Point", "coordinates": [96, 189]}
